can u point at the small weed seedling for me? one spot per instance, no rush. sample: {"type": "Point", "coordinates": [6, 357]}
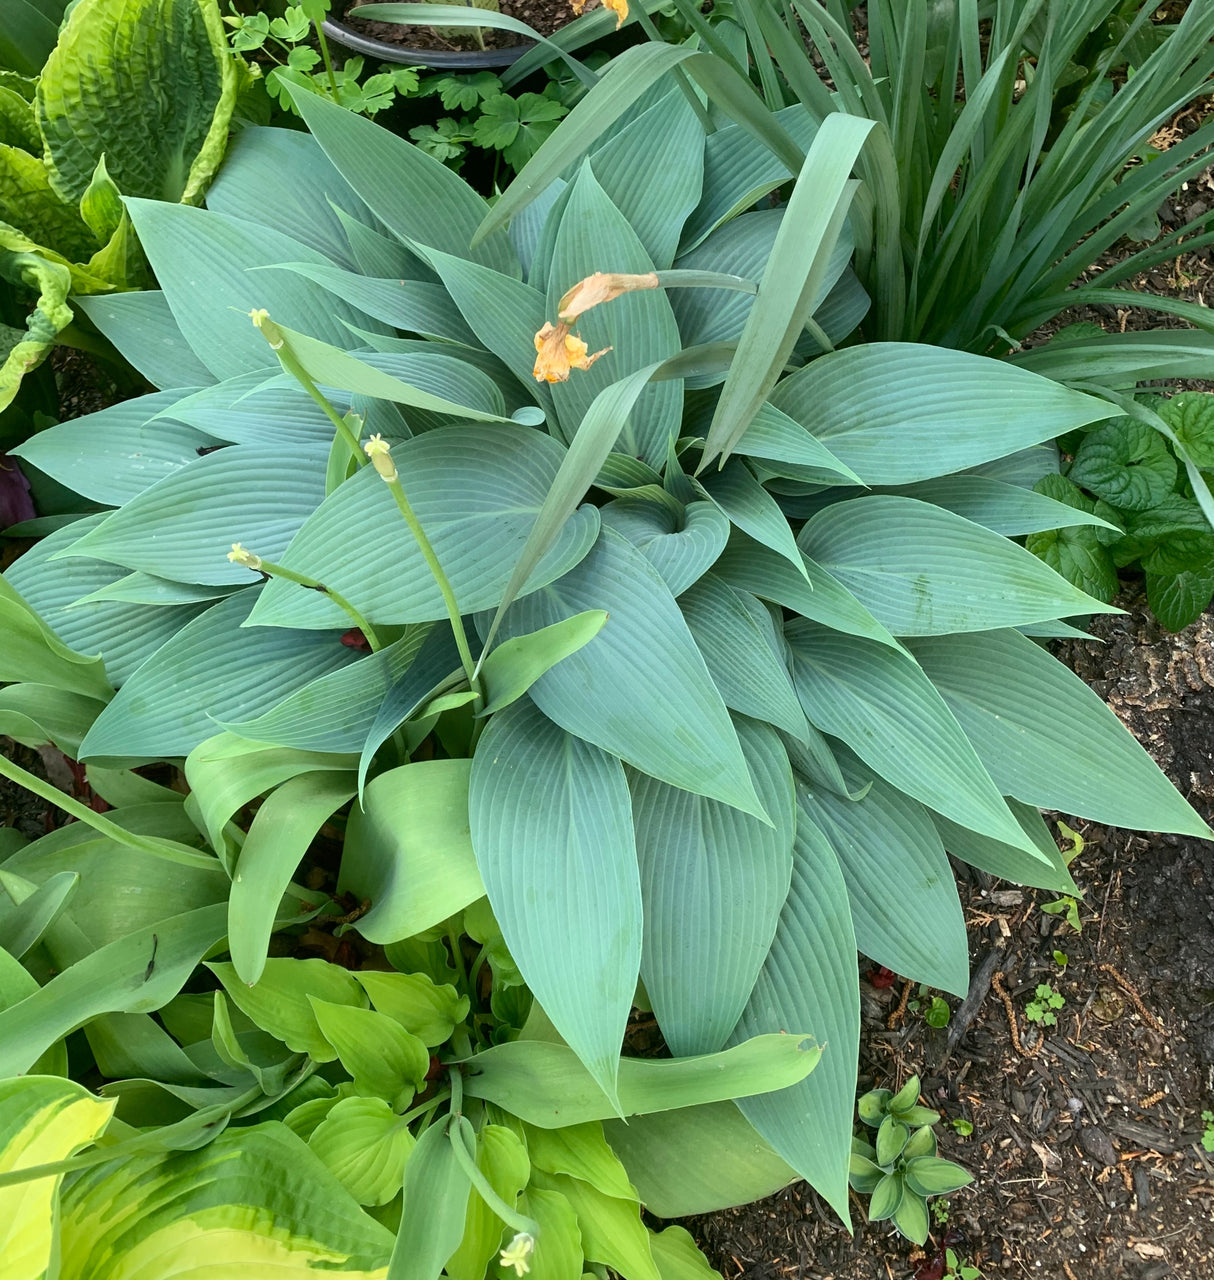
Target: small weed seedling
{"type": "Point", "coordinates": [940, 1212]}
{"type": "Point", "coordinates": [1042, 1008]}
{"type": "Point", "coordinates": [961, 1127]}
{"type": "Point", "coordinates": [1061, 959]}
{"type": "Point", "coordinates": [1207, 1136]}
{"type": "Point", "coordinates": [1067, 906]}
{"type": "Point", "coordinates": [937, 1013]}
{"type": "Point", "coordinates": [958, 1269]}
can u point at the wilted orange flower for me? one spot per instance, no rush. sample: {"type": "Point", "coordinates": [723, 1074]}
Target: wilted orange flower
{"type": "Point", "coordinates": [558, 351]}
{"type": "Point", "coordinates": [603, 286]}
{"type": "Point", "coordinates": [618, 7]}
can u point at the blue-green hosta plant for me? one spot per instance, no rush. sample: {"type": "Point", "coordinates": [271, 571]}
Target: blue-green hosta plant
{"type": "Point", "coordinates": [558, 564]}
{"type": "Point", "coordinates": [134, 100]}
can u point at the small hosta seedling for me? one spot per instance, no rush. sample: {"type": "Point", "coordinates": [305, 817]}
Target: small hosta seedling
{"type": "Point", "coordinates": [1207, 1136]}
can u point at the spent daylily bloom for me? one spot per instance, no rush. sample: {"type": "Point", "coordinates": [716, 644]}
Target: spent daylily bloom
{"type": "Point", "coordinates": [558, 351]}
{"type": "Point", "coordinates": [516, 1253]}
{"type": "Point", "coordinates": [603, 286]}
{"type": "Point", "coordinates": [618, 7]}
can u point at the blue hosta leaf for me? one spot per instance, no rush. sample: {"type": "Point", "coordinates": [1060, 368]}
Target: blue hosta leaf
{"type": "Point", "coordinates": [116, 453]}
{"type": "Point", "coordinates": [415, 196]}
{"type": "Point", "coordinates": [904, 904]}
{"type": "Point", "coordinates": [144, 588]}
{"type": "Point", "coordinates": [749, 506]}
{"type": "Point", "coordinates": [737, 637]}
{"type": "Point", "coordinates": [261, 407]}
{"type": "Point", "coordinates": [681, 545]}
{"type": "Point", "coordinates": [1046, 870]}
{"type": "Point", "coordinates": [174, 700]}
{"type": "Point", "coordinates": [888, 712]}
{"type": "Point", "coordinates": [296, 186]}
{"type": "Point", "coordinates": [202, 261]}
{"type": "Point", "coordinates": [639, 327]}
{"type": "Point", "coordinates": [476, 490]}
{"type": "Point", "coordinates": [184, 525]}
{"type": "Point", "coordinates": [713, 882]}
{"type": "Point", "coordinates": [336, 712]}
{"type": "Point", "coordinates": [147, 334]}
{"type": "Point", "coordinates": [643, 657]}
{"type": "Point", "coordinates": [784, 447]}
{"type": "Point", "coordinates": [552, 829]}
{"type": "Point", "coordinates": [921, 570]}
{"type": "Point", "coordinates": [1046, 738]}
{"type": "Point", "coordinates": [652, 171]}
{"type": "Point", "coordinates": [898, 412]}
{"type": "Point", "coordinates": [124, 635]}
{"type": "Point", "coordinates": [810, 979]}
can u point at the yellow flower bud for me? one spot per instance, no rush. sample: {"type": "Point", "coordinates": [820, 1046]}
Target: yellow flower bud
{"type": "Point", "coordinates": [238, 555]}
{"type": "Point", "coordinates": [270, 331]}
{"type": "Point", "coordinates": [380, 453]}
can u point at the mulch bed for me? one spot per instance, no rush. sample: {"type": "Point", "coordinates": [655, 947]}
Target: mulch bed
{"type": "Point", "coordinates": [544, 16]}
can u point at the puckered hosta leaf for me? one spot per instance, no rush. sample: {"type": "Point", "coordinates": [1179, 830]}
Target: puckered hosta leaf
{"type": "Point", "coordinates": [639, 327]}
{"type": "Point", "coordinates": [904, 905]}
{"type": "Point", "coordinates": [681, 546]}
{"type": "Point", "coordinates": [282, 831]}
{"type": "Point", "coordinates": [336, 712]}
{"type": "Point", "coordinates": [652, 170]}
{"type": "Point", "coordinates": [888, 712]}
{"type": "Point", "coordinates": [697, 1160]}
{"type": "Point", "coordinates": [552, 829]}
{"type": "Point", "coordinates": [254, 1201]}
{"type": "Point", "coordinates": [174, 701]}
{"type": "Point", "coordinates": [502, 1157]}
{"type": "Point", "coordinates": [1046, 738]}
{"type": "Point", "coordinates": [24, 351]}
{"type": "Point", "coordinates": [713, 882]}
{"type": "Point", "coordinates": [644, 656]}
{"type": "Point", "coordinates": [612, 1231]}
{"type": "Point", "coordinates": [203, 262]}
{"type": "Point", "coordinates": [415, 196]}
{"type": "Point", "coordinates": [281, 1001]}
{"type": "Point", "coordinates": [42, 1119]}
{"type": "Point", "coordinates": [419, 872]}
{"type": "Point", "coordinates": [297, 187]}
{"type": "Point", "coordinates": [365, 1145]}
{"type": "Point", "coordinates": [427, 1009]}
{"type": "Point", "coordinates": [899, 412]}
{"type": "Point", "coordinates": [476, 490]}
{"type": "Point", "coordinates": [924, 571]}
{"type": "Point", "coordinates": [1047, 870]}
{"type": "Point", "coordinates": [810, 980]}
{"type": "Point", "coordinates": [124, 635]}
{"type": "Point", "coordinates": [147, 334]}
{"type": "Point", "coordinates": [150, 84]}
{"type": "Point", "coordinates": [117, 978]}
{"type": "Point", "coordinates": [737, 637]}
{"type": "Point", "coordinates": [116, 453]}
{"type": "Point", "coordinates": [183, 526]}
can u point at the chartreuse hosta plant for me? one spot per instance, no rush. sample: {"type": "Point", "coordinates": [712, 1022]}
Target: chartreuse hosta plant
{"type": "Point", "coordinates": [134, 100]}
{"type": "Point", "coordinates": [638, 644]}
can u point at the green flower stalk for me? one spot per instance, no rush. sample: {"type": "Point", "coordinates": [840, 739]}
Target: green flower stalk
{"type": "Point", "coordinates": [463, 1143]}
{"type": "Point", "coordinates": [239, 555]}
{"type": "Point", "coordinates": [380, 453]}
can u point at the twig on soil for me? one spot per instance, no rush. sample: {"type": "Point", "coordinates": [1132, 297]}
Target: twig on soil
{"type": "Point", "coordinates": [967, 1010]}
{"type": "Point", "coordinates": [997, 984]}
{"type": "Point", "coordinates": [1104, 908]}
{"type": "Point", "coordinates": [896, 1017]}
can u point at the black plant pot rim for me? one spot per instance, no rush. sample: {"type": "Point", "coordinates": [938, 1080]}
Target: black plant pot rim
{"type": "Point", "coordinates": [440, 60]}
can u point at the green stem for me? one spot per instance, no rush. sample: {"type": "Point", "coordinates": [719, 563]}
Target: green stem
{"type": "Point", "coordinates": [427, 1107]}
{"type": "Point", "coordinates": [456, 1077]}
{"type": "Point", "coordinates": [324, 53]}
{"type": "Point", "coordinates": [436, 570]}
{"type": "Point", "coordinates": [457, 956]}
{"type": "Point", "coordinates": [461, 1134]}
{"type": "Point", "coordinates": [277, 571]}
{"type": "Point", "coordinates": [286, 357]}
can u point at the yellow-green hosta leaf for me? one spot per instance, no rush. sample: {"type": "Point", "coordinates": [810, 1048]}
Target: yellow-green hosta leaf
{"type": "Point", "coordinates": [502, 1158]}
{"type": "Point", "coordinates": [558, 1247]}
{"type": "Point", "coordinates": [148, 83]}
{"type": "Point", "coordinates": [384, 1059]}
{"type": "Point", "coordinates": [423, 1007]}
{"type": "Point", "coordinates": [255, 1202]}
{"type": "Point", "coordinates": [51, 314]}
{"type": "Point", "coordinates": [678, 1257]}
{"type": "Point", "coordinates": [612, 1231]}
{"type": "Point", "coordinates": [365, 1144]}
{"type": "Point", "coordinates": [280, 1002]}
{"type": "Point", "coordinates": [581, 1151]}
{"type": "Point", "coordinates": [42, 1119]}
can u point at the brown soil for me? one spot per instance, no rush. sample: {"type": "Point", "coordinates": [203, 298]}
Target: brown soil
{"type": "Point", "coordinates": [545, 16]}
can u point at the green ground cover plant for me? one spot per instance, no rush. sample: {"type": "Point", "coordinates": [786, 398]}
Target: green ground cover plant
{"type": "Point", "coordinates": [133, 100]}
{"type": "Point", "coordinates": [528, 554]}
